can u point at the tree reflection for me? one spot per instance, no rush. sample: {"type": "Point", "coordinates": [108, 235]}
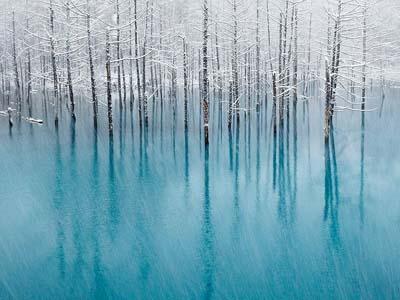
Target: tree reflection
{"type": "Point", "coordinates": [59, 207]}
{"type": "Point", "coordinates": [207, 230]}
{"type": "Point", "coordinates": [331, 192]}
{"type": "Point", "coordinates": [362, 162]}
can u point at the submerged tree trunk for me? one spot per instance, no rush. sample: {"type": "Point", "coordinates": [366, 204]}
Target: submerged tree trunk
{"type": "Point", "coordinates": [15, 62]}
{"type": "Point", "coordinates": [118, 43]}
{"type": "Point", "coordinates": [219, 75]}
{"type": "Point", "coordinates": [3, 82]}
{"type": "Point", "coordinates": [273, 75]}
{"type": "Point", "coordinates": [53, 63]}
{"type": "Point", "coordinates": [295, 59]}
{"type": "Point", "coordinates": [235, 58]}
{"type": "Point", "coordinates": [131, 95]}
{"type": "Point", "coordinates": [332, 71]}
{"type": "Point", "coordinates": [145, 108]}
{"type": "Point", "coordinates": [258, 58]}
{"type": "Point", "coordinates": [68, 58]}
{"type": "Point", "coordinates": [109, 86]}
{"type": "Point", "coordinates": [364, 57]}
{"type": "Point", "coordinates": [16, 72]}
{"type": "Point", "coordinates": [205, 72]}
{"type": "Point", "coordinates": [135, 22]}
{"type": "Point", "coordinates": [29, 75]}
{"type": "Point", "coordinates": [91, 67]}
{"type": "Point", "coordinates": [185, 83]}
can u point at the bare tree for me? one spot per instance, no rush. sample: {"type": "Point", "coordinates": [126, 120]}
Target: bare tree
{"type": "Point", "coordinates": [205, 73]}
{"type": "Point", "coordinates": [109, 88]}
{"type": "Point", "coordinates": [91, 64]}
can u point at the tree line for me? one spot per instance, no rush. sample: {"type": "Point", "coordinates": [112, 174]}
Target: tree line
{"type": "Point", "coordinates": [233, 56]}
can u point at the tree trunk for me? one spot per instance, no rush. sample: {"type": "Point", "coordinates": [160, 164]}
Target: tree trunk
{"type": "Point", "coordinates": [205, 72]}
{"type": "Point", "coordinates": [364, 58]}
{"type": "Point", "coordinates": [53, 63]}
{"type": "Point", "coordinates": [91, 67]}
{"type": "Point", "coordinates": [235, 70]}
{"type": "Point", "coordinates": [258, 58]}
{"type": "Point", "coordinates": [185, 83]}
{"type": "Point", "coordinates": [145, 108]}
{"type": "Point", "coordinates": [131, 94]}
{"type": "Point", "coordinates": [109, 86]}
{"type": "Point", "coordinates": [118, 56]}
{"type": "Point", "coordinates": [137, 60]}
{"type": "Point", "coordinates": [69, 72]}
{"type": "Point", "coordinates": [16, 72]}
{"type": "Point", "coordinates": [29, 75]}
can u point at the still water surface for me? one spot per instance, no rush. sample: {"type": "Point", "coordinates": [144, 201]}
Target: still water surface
{"type": "Point", "coordinates": [157, 216]}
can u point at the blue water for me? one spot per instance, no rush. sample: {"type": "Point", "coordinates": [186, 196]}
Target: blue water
{"type": "Point", "coordinates": [158, 216]}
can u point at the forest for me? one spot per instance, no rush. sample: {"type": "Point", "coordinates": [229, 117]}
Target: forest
{"type": "Point", "coordinates": [233, 56]}
{"type": "Point", "coordinates": [199, 149]}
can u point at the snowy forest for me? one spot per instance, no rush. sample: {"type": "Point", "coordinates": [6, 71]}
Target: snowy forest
{"type": "Point", "coordinates": [233, 56]}
{"type": "Point", "coordinates": [199, 149]}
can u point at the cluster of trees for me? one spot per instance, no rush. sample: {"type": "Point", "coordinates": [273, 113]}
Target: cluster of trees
{"type": "Point", "coordinates": [234, 55]}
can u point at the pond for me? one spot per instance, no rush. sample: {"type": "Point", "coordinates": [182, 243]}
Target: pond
{"type": "Point", "coordinates": [153, 214]}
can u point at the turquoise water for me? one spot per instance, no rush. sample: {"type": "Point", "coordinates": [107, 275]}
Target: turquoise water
{"type": "Point", "coordinates": [157, 216]}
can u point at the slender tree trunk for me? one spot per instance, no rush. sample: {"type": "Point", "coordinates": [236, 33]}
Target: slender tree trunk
{"type": "Point", "coordinates": [160, 81]}
{"type": "Point", "coordinates": [280, 68]}
{"type": "Point", "coordinates": [123, 76]}
{"type": "Point", "coordinates": [219, 75]}
{"type": "Point", "coordinates": [248, 66]}
{"type": "Point", "coordinates": [91, 67]}
{"type": "Point", "coordinates": [235, 70]}
{"type": "Point", "coordinates": [21, 78]}
{"type": "Point", "coordinates": [327, 102]}
{"type": "Point", "coordinates": [332, 71]}
{"type": "Point", "coordinates": [185, 83]}
{"type": "Point", "coordinates": [274, 91]}
{"type": "Point", "coordinates": [16, 72]}
{"type": "Point", "coordinates": [295, 59]}
{"type": "Point", "coordinates": [274, 104]}
{"type": "Point", "coordinates": [137, 60]}
{"type": "Point", "coordinates": [145, 108]}
{"type": "Point", "coordinates": [151, 54]}
{"type": "Point", "coordinates": [131, 94]}
{"type": "Point", "coordinates": [308, 74]}
{"type": "Point", "coordinates": [258, 58]}
{"type": "Point", "coordinates": [53, 63]}
{"type": "Point", "coordinates": [364, 57]}
{"type": "Point", "coordinates": [69, 72]}
{"type": "Point", "coordinates": [29, 75]}
{"type": "Point", "coordinates": [118, 44]}
{"type": "Point", "coordinates": [282, 79]}
{"type": "Point", "coordinates": [109, 84]}
{"type": "Point", "coordinates": [3, 85]}
{"type": "Point", "coordinates": [205, 72]}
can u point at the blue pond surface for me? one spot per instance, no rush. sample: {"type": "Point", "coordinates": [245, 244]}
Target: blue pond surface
{"type": "Point", "coordinates": [158, 216]}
